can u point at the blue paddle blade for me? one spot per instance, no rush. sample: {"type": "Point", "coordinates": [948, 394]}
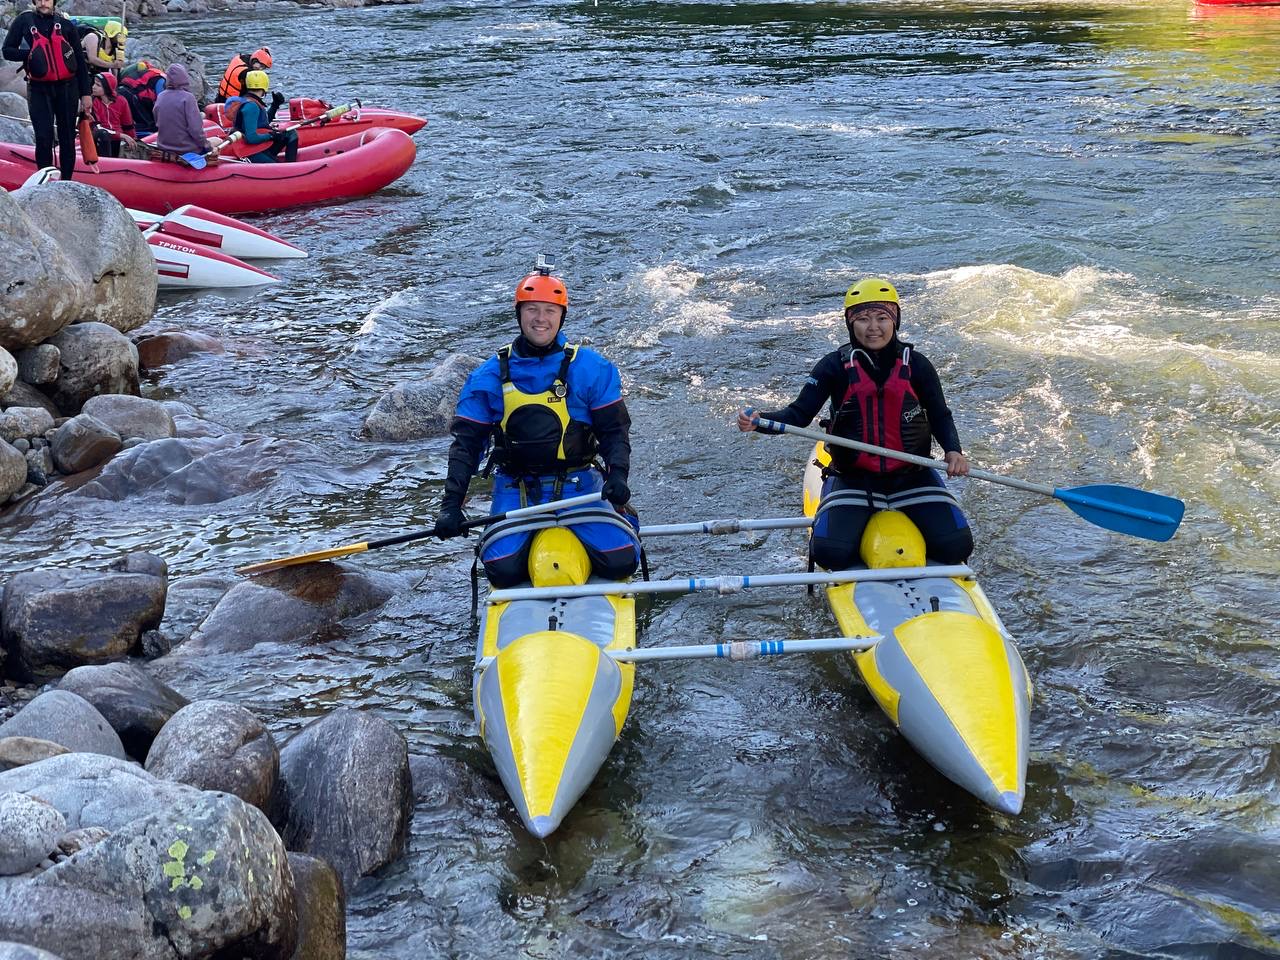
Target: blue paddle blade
{"type": "Point", "coordinates": [1138, 513]}
{"type": "Point", "coordinates": [195, 161]}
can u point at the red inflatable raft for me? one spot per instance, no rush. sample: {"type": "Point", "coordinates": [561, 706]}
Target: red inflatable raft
{"type": "Point", "coordinates": [352, 166]}
{"type": "Point", "coordinates": [358, 120]}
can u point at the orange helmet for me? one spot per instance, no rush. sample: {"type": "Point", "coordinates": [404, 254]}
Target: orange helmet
{"type": "Point", "coordinates": [542, 287]}
{"type": "Point", "coordinates": [263, 56]}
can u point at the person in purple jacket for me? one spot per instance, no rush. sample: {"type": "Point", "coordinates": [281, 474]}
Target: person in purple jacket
{"type": "Point", "coordinates": [179, 127]}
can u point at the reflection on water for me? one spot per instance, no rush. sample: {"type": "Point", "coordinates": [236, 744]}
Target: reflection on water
{"type": "Point", "coordinates": [1077, 201]}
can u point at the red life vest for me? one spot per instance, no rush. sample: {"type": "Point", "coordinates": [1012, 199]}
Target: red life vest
{"type": "Point", "coordinates": [51, 59]}
{"type": "Point", "coordinates": [143, 85]}
{"type": "Point", "coordinates": [888, 416]}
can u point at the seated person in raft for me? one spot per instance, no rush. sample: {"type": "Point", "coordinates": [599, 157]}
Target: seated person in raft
{"type": "Point", "coordinates": [883, 392]}
{"type": "Point", "coordinates": [559, 428]}
{"type": "Point", "coordinates": [249, 114]}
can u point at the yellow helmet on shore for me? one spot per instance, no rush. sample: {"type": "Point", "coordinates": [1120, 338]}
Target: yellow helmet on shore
{"type": "Point", "coordinates": [870, 290]}
{"type": "Point", "coordinates": [257, 80]}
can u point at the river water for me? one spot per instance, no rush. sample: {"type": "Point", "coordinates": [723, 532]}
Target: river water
{"type": "Point", "coordinates": [1078, 203]}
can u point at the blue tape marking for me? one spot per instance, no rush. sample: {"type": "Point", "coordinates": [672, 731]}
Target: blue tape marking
{"type": "Point", "coordinates": [746, 581]}
{"type": "Point", "coordinates": [693, 585]}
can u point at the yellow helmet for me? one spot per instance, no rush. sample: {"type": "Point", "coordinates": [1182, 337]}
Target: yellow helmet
{"type": "Point", "coordinates": [891, 540]}
{"type": "Point", "coordinates": [112, 27]}
{"type": "Point", "coordinates": [557, 559]}
{"type": "Point", "coordinates": [870, 290]}
{"type": "Point", "coordinates": [257, 80]}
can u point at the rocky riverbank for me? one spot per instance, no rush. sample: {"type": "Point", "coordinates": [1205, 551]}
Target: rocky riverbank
{"type": "Point", "coordinates": [141, 9]}
{"type": "Point", "coordinates": [137, 818]}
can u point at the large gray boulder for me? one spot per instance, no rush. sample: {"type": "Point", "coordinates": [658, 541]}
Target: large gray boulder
{"type": "Point", "coordinates": [218, 746]}
{"type": "Point", "coordinates": [135, 704]}
{"type": "Point", "coordinates": [29, 832]}
{"type": "Point", "coordinates": [195, 875]}
{"type": "Point", "coordinates": [345, 792]}
{"type": "Point", "coordinates": [132, 417]}
{"type": "Point", "coordinates": [63, 718]}
{"type": "Point", "coordinates": [300, 604]}
{"type": "Point", "coordinates": [94, 358]}
{"type": "Point", "coordinates": [41, 291]}
{"type": "Point", "coordinates": [113, 257]}
{"type": "Point", "coordinates": [54, 620]}
{"type": "Point", "coordinates": [164, 49]}
{"type": "Point", "coordinates": [94, 790]}
{"type": "Point", "coordinates": [420, 409]}
{"type": "Point", "coordinates": [82, 443]}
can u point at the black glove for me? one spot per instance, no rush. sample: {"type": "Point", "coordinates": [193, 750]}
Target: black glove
{"type": "Point", "coordinates": [616, 491]}
{"type": "Point", "coordinates": [277, 99]}
{"type": "Point", "coordinates": [449, 522]}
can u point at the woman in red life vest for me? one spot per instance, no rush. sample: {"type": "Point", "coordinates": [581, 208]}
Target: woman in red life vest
{"type": "Point", "coordinates": [883, 392]}
{"type": "Point", "coordinates": [114, 119]}
{"type": "Point", "coordinates": [48, 46]}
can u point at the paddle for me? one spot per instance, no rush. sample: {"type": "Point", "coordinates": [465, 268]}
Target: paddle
{"type": "Point", "coordinates": [1138, 513]}
{"type": "Point", "coordinates": [331, 114]}
{"type": "Point", "coordinates": [348, 549]}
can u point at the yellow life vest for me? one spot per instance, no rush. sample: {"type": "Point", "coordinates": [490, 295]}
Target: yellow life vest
{"type": "Point", "coordinates": [536, 434]}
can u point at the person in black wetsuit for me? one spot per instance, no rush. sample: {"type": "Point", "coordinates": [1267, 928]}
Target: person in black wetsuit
{"type": "Point", "coordinates": [883, 392]}
{"type": "Point", "coordinates": [58, 86]}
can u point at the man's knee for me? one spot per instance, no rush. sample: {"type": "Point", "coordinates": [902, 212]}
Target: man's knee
{"type": "Point", "coordinates": [509, 571]}
{"type": "Point", "coordinates": [615, 564]}
{"type": "Point", "coordinates": [833, 553]}
{"type": "Point", "coordinates": [955, 546]}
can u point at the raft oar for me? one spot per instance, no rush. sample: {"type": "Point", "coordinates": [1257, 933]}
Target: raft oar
{"type": "Point", "coordinates": [733, 650]}
{"type": "Point", "coordinates": [350, 548]}
{"type": "Point", "coordinates": [331, 114]}
{"type": "Point", "coordinates": [727, 584]}
{"type": "Point", "coordinates": [1152, 516]}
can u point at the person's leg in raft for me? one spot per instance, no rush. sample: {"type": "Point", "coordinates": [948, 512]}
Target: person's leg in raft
{"type": "Point", "coordinates": [289, 141]}
{"type": "Point", "coordinates": [264, 156]}
{"type": "Point", "coordinates": [506, 559]}
{"type": "Point", "coordinates": [612, 546]}
{"type": "Point", "coordinates": [842, 515]}
{"type": "Point", "coordinates": [936, 512]}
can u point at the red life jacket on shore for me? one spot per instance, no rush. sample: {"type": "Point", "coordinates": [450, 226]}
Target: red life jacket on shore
{"type": "Point", "coordinates": [51, 59]}
{"type": "Point", "coordinates": [887, 416]}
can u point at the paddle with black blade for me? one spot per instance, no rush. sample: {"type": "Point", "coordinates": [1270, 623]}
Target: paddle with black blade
{"type": "Point", "coordinates": [350, 548]}
{"type": "Point", "coordinates": [1111, 506]}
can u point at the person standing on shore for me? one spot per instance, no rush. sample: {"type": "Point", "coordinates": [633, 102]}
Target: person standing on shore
{"type": "Point", "coordinates": [58, 89]}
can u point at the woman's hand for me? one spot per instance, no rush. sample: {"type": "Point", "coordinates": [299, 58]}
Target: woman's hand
{"type": "Point", "coordinates": [747, 420]}
{"type": "Point", "coordinates": [957, 465]}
